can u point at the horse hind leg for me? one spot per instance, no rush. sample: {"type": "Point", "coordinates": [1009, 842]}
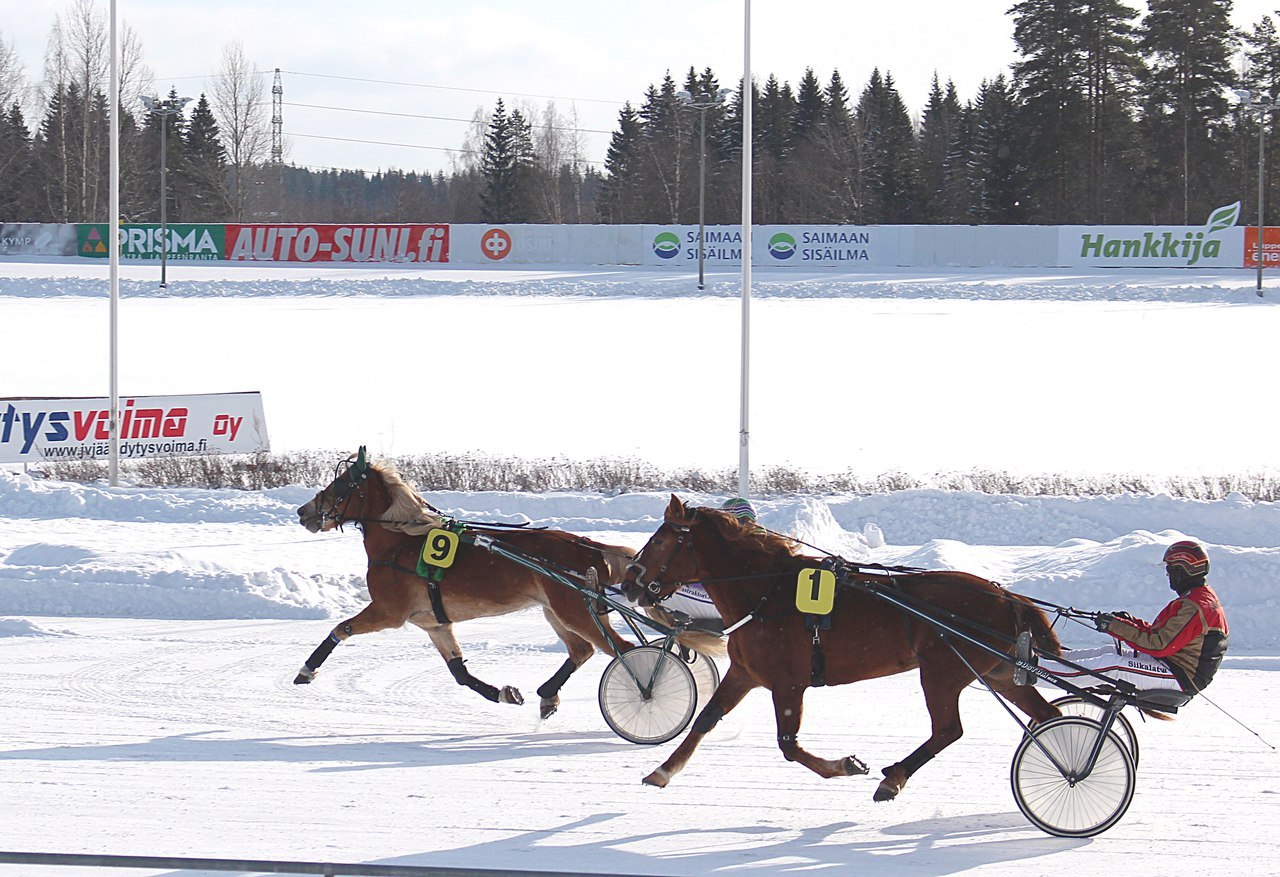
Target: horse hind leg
{"type": "Point", "coordinates": [445, 643]}
{"type": "Point", "coordinates": [580, 651]}
{"type": "Point", "coordinates": [788, 708]}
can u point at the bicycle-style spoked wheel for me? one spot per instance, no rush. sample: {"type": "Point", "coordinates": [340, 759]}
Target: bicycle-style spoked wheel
{"type": "Point", "coordinates": [1074, 705]}
{"type": "Point", "coordinates": [706, 676]}
{"type": "Point", "coordinates": [647, 695]}
{"type": "Point", "coordinates": [1059, 801]}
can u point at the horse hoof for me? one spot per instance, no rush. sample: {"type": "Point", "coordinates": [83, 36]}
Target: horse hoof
{"type": "Point", "coordinates": [658, 779]}
{"type": "Point", "coordinates": [853, 766]}
{"type": "Point", "coordinates": [510, 695]}
{"type": "Point", "coordinates": [884, 792]}
{"type": "Point", "coordinates": [548, 707]}
{"type": "Point", "coordinates": [304, 677]}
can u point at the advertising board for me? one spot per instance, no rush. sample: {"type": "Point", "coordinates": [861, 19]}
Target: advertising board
{"type": "Point", "coordinates": [1219, 243]}
{"type": "Point", "coordinates": [338, 243]}
{"type": "Point", "coordinates": [63, 430]}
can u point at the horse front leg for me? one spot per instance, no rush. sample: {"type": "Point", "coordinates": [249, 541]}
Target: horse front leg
{"type": "Point", "coordinates": [367, 620]}
{"type": "Point", "coordinates": [788, 707]}
{"type": "Point", "coordinates": [732, 689]}
{"type": "Point", "coordinates": [445, 643]}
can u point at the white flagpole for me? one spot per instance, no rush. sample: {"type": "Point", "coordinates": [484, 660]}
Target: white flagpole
{"type": "Point", "coordinates": [113, 239]}
{"type": "Point", "coordinates": [744, 433]}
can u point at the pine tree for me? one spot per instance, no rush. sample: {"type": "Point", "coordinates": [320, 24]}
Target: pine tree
{"type": "Point", "coordinates": [1262, 78]}
{"type": "Point", "coordinates": [811, 105]}
{"type": "Point", "coordinates": [202, 176]}
{"type": "Point", "coordinates": [16, 203]}
{"type": "Point", "coordinates": [1189, 44]}
{"type": "Point", "coordinates": [997, 173]}
{"type": "Point", "coordinates": [506, 168]}
{"type": "Point", "coordinates": [939, 130]}
{"type": "Point", "coordinates": [890, 152]}
{"type": "Point", "coordinates": [1051, 82]}
{"type": "Point", "coordinates": [622, 169]}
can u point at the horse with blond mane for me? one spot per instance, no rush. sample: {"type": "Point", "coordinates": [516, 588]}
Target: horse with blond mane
{"type": "Point", "coordinates": [396, 522]}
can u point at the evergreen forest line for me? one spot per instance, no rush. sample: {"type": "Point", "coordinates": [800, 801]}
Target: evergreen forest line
{"type": "Point", "coordinates": [1107, 116]}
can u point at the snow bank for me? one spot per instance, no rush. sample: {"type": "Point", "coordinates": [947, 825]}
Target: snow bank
{"type": "Point", "coordinates": [86, 550]}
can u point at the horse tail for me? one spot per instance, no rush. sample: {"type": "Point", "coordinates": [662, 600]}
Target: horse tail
{"type": "Point", "coordinates": [1031, 617]}
{"type": "Point", "coordinates": [703, 643]}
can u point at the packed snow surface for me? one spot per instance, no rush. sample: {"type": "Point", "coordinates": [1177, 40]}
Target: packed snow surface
{"type": "Point", "coordinates": [149, 637]}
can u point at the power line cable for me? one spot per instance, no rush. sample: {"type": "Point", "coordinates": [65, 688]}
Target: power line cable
{"type": "Point", "coordinates": [452, 88]}
{"type": "Point", "coordinates": [433, 118]}
{"type": "Point", "coordinates": [404, 145]}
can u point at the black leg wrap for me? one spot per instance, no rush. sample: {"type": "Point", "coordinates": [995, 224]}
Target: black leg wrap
{"type": "Point", "coordinates": [457, 667]}
{"type": "Point", "coordinates": [552, 686]}
{"type": "Point", "coordinates": [707, 719]}
{"type": "Point", "coordinates": [322, 651]}
{"type": "Point", "coordinates": [916, 760]}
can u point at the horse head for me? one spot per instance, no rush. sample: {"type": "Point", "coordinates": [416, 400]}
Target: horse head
{"type": "Point", "coordinates": [345, 499]}
{"type": "Point", "coordinates": [668, 554]}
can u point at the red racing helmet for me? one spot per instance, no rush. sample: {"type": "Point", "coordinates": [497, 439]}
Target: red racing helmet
{"type": "Point", "coordinates": [1188, 556]}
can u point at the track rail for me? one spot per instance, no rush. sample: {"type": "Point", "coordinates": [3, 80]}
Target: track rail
{"type": "Point", "coordinates": [267, 866]}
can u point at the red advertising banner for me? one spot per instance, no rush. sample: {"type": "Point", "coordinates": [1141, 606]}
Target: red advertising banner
{"type": "Point", "coordinates": [1270, 246]}
{"type": "Point", "coordinates": [337, 243]}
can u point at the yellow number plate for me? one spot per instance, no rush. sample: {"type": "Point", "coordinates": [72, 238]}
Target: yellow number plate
{"type": "Point", "coordinates": [816, 591]}
{"type": "Point", "coordinates": [440, 548]}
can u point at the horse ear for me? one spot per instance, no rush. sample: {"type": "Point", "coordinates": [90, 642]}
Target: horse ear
{"type": "Point", "coordinates": [360, 457]}
{"type": "Point", "coordinates": [677, 512]}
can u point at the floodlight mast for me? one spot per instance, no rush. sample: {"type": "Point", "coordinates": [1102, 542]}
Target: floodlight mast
{"type": "Point", "coordinates": [164, 109]}
{"type": "Point", "coordinates": [1259, 104]}
{"type": "Point", "coordinates": [702, 106]}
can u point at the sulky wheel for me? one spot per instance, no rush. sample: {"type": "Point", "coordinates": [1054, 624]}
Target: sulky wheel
{"type": "Point", "coordinates": [706, 676]}
{"type": "Point", "coordinates": [647, 695]}
{"type": "Point", "coordinates": [1044, 777]}
{"type": "Point", "coordinates": [1074, 705]}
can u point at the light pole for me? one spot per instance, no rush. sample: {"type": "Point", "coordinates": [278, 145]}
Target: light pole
{"type": "Point", "coordinates": [164, 109]}
{"type": "Point", "coordinates": [1260, 105]}
{"type": "Point", "coordinates": [702, 106]}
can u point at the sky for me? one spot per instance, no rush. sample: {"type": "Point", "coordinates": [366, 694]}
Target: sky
{"type": "Point", "coordinates": [375, 71]}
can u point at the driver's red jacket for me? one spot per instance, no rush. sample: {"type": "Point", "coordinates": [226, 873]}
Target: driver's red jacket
{"type": "Point", "coordinates": [1190, 634]}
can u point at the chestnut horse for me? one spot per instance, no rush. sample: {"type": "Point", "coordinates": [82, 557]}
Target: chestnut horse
{"type": "Point", "coordinates": [751, 576]}
{"type": "Point", "coordinates": [477, 584]}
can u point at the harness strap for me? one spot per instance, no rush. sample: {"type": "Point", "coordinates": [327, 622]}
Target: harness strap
{"type": "Point", "coordinates": [433, 588]}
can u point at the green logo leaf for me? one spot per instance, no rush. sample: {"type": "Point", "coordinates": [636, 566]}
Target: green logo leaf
{"type": "Point", "coordinates": [1223, 217]}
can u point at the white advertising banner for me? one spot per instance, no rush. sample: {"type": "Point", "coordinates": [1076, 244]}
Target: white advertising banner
{"type": "Point", "coordinates": [784, 246]}
{"type": "Point", "coordinates": [52, 430]}
{"type": "Point", "coordinates": [1219, 243]}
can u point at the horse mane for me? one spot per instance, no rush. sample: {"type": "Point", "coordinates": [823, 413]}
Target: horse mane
{"type": "Point", "coordinates": [407, 512]}
{"type": "Point", "coordinates": [742, 536]}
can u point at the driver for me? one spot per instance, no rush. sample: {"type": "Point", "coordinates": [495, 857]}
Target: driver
{"type": "Point", "coordinates": [1180, 651]}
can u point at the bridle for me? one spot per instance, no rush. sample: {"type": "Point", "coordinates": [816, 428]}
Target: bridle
{"type": "Point", "coordinates": [654, 587]}
{"type": "Point", "coordinates": [342, 490]}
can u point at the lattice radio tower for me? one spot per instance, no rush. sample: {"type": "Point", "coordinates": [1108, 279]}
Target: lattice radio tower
{"type": "Point", "coordinates": [277, 121]}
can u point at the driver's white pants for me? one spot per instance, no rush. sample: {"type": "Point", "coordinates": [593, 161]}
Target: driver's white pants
{"type": "Point", "coordinates": [1116, 661]}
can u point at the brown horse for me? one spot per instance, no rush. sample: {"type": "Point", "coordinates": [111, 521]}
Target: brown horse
{"type": "Point", "coordinates": [751, 576]}
{"type": "Point", "coordinates": [476, 584]}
